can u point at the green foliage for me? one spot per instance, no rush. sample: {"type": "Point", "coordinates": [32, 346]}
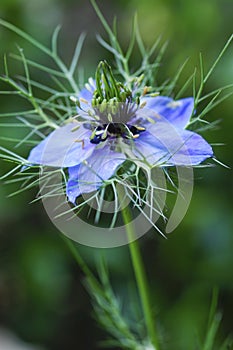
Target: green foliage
{"type": "Point", "coordinates": [107, 307]}
{"type": "Point", "coordinates": [214, 321]}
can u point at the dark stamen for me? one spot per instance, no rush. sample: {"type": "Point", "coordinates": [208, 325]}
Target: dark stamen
{"type": "Point", "coordinates": [115, 130]}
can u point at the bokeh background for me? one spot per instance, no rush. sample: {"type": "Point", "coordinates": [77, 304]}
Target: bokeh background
{"type": "Point", "coordinates": [42, 300]}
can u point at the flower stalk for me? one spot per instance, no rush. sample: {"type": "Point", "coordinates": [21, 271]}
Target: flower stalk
{"type": "Point", "coordinates": [140, 275]}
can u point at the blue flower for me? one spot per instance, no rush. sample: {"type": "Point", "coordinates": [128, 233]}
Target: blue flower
{"type": "Point", "coordinates": [114, 125]}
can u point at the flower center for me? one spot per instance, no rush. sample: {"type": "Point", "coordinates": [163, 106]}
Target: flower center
{"type": "Point", "coordinates": [115, 130]}
{"type": "Point", "coordinates": [114, 107]}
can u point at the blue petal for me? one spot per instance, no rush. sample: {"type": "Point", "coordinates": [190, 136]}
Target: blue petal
{"type": "Point", "coordinates": [89, 176]}
{"type": "Point", "coordinates": [176, 112]}
{"type": "Point", "coordinates": [164, 145]}
{"type": "Point", "coordinates": [87, 92]}
{"type": "Point", "coordinates": [84, 108]}
{"type": "Point", "coordinates": [66, 146]}
{"type": "Point", "coordinates": [86, 95]}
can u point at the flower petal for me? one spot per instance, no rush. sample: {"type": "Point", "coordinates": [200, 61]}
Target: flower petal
{"type": "Point", "coordinates": [84, 106]}
{"type": "Point", "coordinates": [66, 146]}
{"type": "Point", "coordinates": [176, 112]}
{"type": "Point", "coordinates": [89, 176]}
{"type": "Point", "coordinates": [165, 145]}
{"type": "Point", "coordinates": [85, 95]}
{"type": "Point", "coordinates": [87, 92]}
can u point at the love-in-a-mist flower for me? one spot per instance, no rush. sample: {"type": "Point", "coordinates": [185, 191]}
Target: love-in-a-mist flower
{"type": "Point", "coordinates": [116, 123]}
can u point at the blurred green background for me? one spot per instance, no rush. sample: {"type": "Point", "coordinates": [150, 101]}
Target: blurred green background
{"type": "Point", "coordinates": [42, 299]}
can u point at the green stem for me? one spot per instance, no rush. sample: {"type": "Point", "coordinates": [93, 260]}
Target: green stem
{"type": "Point", "coordinates": [140, 278]}
{"type": "Point", "coordinates": [85, 269]}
